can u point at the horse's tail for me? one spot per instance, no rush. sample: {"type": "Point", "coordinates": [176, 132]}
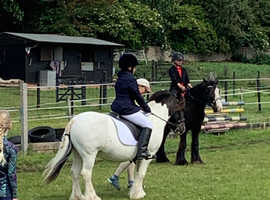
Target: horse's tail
{"type": "Point", "coordinates": [53, 168]}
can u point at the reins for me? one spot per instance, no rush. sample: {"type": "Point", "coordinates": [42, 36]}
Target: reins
{"type": "Point", "coordinates": [165, 120]}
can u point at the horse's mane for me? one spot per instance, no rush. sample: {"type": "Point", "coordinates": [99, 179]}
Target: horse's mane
{"type": "Point", "coordinates": [165, 97]}
{"type": "Point", "coordinates": [160, 96]}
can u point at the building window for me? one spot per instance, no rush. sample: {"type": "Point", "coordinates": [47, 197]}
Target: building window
{"type": "Point", "coordinates": [87, 55]}
{"type": "Point", "coordinates": [46, 54]}
{"type": "Point", "coordinates": [87, 60]}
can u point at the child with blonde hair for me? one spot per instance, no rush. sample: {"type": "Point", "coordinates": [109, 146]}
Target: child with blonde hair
{"type": "Point", "coordinates": [8, 157]}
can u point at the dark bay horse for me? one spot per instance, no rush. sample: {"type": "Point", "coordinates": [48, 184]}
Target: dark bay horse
{"type": "Point", "coordinates": [196, 100]}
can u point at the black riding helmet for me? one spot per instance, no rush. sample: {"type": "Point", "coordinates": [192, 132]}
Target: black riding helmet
{"type": "Point", "coordinates": [127, 60]}
{"type": "Point", "coordinates": [177, 56]}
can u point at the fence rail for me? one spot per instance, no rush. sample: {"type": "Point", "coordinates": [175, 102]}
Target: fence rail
{"type": "Point", "coordinates": [32, 106]}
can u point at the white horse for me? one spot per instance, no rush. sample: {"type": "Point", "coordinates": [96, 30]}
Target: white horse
{"type": "Point", "coordinates": [90, 132]}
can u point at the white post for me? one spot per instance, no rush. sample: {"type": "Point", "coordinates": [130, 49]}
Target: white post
{"type": "Point", "coordinates": [24, 117]}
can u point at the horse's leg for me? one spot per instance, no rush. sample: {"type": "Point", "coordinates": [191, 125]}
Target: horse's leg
{"type": "Point", "coordinates": [75, 171]}
{"type": "Point", "coordinates": [136, 191]}
{"type": "Point", "coordinates": [87, 168]}
{"type": "Point", "coordinates": [180, 156]}
{"type": "Point", "coordinates": [195, 155]}
{"type": "Point", "coordinates": [161, 154]}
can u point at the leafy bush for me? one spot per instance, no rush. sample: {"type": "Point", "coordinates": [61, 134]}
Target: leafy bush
{"type": "Point", "coordinates": [189, 32]}
{"type": "Point", "coordinates": [261, 59]}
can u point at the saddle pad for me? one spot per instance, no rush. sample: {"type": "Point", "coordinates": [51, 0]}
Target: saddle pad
{"type": "Point", "coordinates": [124, 133]}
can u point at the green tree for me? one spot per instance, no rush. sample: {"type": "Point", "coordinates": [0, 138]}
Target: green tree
{"type": "Point", "coordinates": [185, 26]}
{"type": "Point", "coordinates": [235, 22]}
{"type": "Point", "coordinates": [11, 14]}
{"type": "Point", "coordinates": [262, 10]}
{"type": "Point", "coordinates": [133, 24]}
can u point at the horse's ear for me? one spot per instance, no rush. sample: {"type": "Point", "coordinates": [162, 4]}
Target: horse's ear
{"type": "Point", "coordinates": [212, 76]}
{"type": "Point", "coordinates": [160, 96]}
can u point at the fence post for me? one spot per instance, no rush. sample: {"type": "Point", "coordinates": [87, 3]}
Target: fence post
{"type": "Point", "coordinates": [100, 95]}
{"type": "Point", "coordinates": [156, 70]}
{"type": "Point", "coordinates": [226, 83]}
{"type": "Point", "coordinates": [72, 99]}
{"type": "Point", "coordinates": [24, 117]}
{"type": "Point", "coordinates": [258, 85]}
{"type": "Point", "coordinates": [104, 91]}
{"type": "Point", "coordinates": [233, 84]}
{"type": "Point", "coordinates": [38, 96]}
{"type": "Point", "coordinates": [83, 89]}
{"type": "Point", "coordinates": [153, 71]}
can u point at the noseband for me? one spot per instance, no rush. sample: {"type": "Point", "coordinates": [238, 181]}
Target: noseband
{"type": "Point", "coordinates": [212, 101]}
{"type": "Point", "coordinates": [178, 128]}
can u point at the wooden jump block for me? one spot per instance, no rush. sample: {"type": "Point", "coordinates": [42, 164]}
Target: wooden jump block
{"type": "Point", "coordinates": [42, 146]}
{"type": "Point", "coordinates": [224, 125]}
{"type": "Point", "coordinates": [223, 118]}
{"type": "Point", "coordinates": [233, 103]}
{"type": "Point", "coordinates": [219, 130]}
{"type": "Point", "coordinates": [234, 110]}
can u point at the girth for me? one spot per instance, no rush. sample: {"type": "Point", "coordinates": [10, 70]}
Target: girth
{"type": "Point", "coordinates": [134, 129]}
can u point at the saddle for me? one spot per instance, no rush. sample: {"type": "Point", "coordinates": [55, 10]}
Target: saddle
{"type": "Point", "coordinates": [134, 129]}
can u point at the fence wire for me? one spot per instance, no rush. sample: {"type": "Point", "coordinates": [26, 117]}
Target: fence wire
{"type": "Point", "coordinates": [45, 108]}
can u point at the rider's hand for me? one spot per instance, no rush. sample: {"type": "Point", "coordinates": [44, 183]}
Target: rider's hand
{"type": "Point", "coordinates": [183, 88]}
{"type": "Point", "coordinates": [147, 109]}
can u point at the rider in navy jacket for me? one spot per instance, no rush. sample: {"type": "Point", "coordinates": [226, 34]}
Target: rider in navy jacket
{"type": "Point", "coordinates": [127, 93]}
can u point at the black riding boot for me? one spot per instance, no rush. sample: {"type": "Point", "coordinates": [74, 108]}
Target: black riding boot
{"type": "Point", "coordinates": [144, 137]}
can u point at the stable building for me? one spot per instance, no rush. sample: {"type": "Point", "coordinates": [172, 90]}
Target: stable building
{"type": "Point", "coordinates": [50, 59]}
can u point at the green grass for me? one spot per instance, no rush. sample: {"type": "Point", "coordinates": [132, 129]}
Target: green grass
{"type": "Point", "coordinates": [236, 168]}
{"type": "Point", "coordinates": [200, 70]}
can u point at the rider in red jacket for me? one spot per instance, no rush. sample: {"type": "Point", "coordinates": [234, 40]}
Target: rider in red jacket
{"type": "Point", "coordinates": [179, 76]}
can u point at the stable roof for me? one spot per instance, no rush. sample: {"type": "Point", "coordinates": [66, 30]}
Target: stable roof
{"type": "Point", "coordinates": [54, 38]}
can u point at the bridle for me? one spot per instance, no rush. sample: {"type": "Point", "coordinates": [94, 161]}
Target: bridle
{"type": "Point", "coordinates": [178, 128]}
{"type": "Point", "coordinates": [212, 101]}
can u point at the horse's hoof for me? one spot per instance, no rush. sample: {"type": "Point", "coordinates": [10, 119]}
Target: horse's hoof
{"type": "Point", "coordinates": [97, 198]}
{"type": "Point", "coordinates": [76, 197]}
{"type": "Point", "coordinates": [162, 160]}
{"type": "Point", "coordinates": [197, 162]}
{"type": "Point", "coordinates": [181, 162]}
{"type": "Point", "coordinates": [138, 196]}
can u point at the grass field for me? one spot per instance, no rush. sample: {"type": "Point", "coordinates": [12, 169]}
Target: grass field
{"type": "Point", "coordinates": [237, 163]}
{"type": "Point", "coordinates": [236, 168]}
